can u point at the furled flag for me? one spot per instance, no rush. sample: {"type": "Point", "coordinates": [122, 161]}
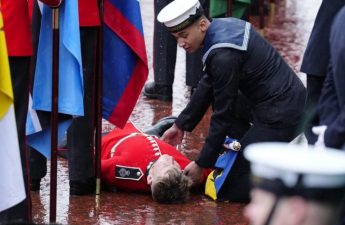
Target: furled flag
{"type": "Point", "coordinates": [125, 63]}
{"type": "Point", "coordinates": [12, 184]}
{"type": "Point", "coordinates": [70, 76]}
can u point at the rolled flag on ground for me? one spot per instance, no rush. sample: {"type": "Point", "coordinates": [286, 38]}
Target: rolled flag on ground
{"type": "Point", "coordinates": [224, 163]}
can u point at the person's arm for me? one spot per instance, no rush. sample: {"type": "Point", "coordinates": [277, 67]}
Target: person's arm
{"type": "Point", "coordinates": [197, 107]}
{"type": "Point", "coordinates": [328, 102]}
{"type": "Point", "coordinates": [192, 114]}
{"type": "Point", "coordinates": [224, 67]}
{"type": "Point", "coordinates": [335, 81]}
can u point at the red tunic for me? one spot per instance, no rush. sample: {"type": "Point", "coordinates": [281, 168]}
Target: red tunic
{"type": "Point", "coordinates": [126, 156]}
{"type": "Point", "coordinates": [88, 13]}
{"type": "Point", "coordinates": [17, 27]}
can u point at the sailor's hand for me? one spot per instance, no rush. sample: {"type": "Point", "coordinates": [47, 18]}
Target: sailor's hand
{"type": "Point", "coordinates": [194, 172]}
{"type": "Point", "coordinates": [232, 144]}
{"type": "Point", "coordinates": [173, 135]}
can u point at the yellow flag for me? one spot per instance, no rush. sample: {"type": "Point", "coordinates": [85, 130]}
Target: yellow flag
{"type": "Point", "coordinates": [12, 184]}
{"type": "Point", "coordinates": [6, 95]}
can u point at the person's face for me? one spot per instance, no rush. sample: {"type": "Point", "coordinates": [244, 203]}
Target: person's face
{"type": "Point", "coordinates": [289, 211]}
{"type": "Point", "coordinates": [259, 207]}
{"type": "Point", "coordinates": [161, 166]}
{"type": "Point", "coordinates": [192, 37]}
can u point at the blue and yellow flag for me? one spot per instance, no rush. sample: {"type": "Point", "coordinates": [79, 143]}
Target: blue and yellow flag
{"type": "Point", "coordinates": [216, 178]}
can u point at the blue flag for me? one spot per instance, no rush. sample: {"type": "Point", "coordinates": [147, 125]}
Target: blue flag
{"type": "Point", "coordinates": [70, 72]}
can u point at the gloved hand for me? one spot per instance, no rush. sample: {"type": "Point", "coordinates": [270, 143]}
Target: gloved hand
{"type": "Point", "coordinates": [194, 172]}
{"type": "Point", "coordinates": [232, 144]}
{"type": "Point", "coordinates": [320, 131]}
{"type": "Point", "coordinates": [173, 135]}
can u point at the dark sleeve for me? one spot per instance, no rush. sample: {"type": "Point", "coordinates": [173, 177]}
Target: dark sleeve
{"type": "Point", "coordinates": [198, 105]}
{"type": "Point", "coordinates": [335, 133]}
{"type": "Point", "coordinates": [331, 114]}
{"type": "Point", "coordinates": [223, 67]}
{"type": "Point", "coordinates": [328, 100]}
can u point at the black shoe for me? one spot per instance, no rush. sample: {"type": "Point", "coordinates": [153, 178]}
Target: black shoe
{"type": "Point", "coordinates": [161, 126]}
{"type": "Point", "coordinates": [35, 184]}
{"type": "Point", "coordinates": [158, 91]}
{"type": "Point", "coordinates": [82, 187]}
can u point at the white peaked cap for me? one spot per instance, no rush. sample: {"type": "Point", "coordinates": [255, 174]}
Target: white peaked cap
{"type": "Point", "coordinates": [319, 168]}
{"type": "Point", "coordinates": [179, 14]}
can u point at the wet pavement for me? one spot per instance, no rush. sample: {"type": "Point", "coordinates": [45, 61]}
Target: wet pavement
{"type": "Point", "coordinates": [288, 30]}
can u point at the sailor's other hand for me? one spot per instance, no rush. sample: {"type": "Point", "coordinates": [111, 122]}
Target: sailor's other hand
{"type": "Point", "coordinates": [194, 172]}
{"type": "Point", "coordinates": [173, 135]}
{"type": "Point", "coordinates": [320, 132]}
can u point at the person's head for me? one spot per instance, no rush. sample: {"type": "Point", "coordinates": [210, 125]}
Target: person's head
{"type": "Point", "coordinates": [167, 181]}
{"type": "Point", "coordinates": [294, 185]}
{"type": "Point", "coordinates": [186, 21]}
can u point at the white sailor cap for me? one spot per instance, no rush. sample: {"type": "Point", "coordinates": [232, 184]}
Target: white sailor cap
{"type": "Point", "coordinates": [179, 14]}
{"type": "Point", "coordinates": [286, 169]}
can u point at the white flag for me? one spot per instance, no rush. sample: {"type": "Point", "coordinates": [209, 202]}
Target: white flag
{"type": "Point", "coordinates": [12, 189]}
{"type": "Point", "coordinates": [11, 184]}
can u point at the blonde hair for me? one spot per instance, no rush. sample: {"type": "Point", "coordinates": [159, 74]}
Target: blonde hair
{"type": "Point", "coordinates": [172, 188]}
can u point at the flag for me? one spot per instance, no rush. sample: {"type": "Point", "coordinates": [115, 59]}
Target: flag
{"type": "Point", "coordinates": [70, 63]}
{"type": "Point", "coordinates": [38, 129]}
{"type": "Point", "coordinates": [216, 178]}
{"type": "Point", "coordinates": [125, 67]}
{"type": "Point", "coordinates": [70, 76]}
{"type": "Point", "coordinates": [12, 189]}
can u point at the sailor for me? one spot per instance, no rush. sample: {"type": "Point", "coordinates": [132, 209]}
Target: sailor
{"type": "Point", "coordinates": [294, 184]}
{"type": "Point", "coordinates": [235, 57]}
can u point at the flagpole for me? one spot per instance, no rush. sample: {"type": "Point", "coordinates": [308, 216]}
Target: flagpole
{"type": "Point", "coordinates": [54, 116]}
{"type": "Point", "coordinates": [229, 8]}
{"type": "Point", "coordinates": [99, 95]}
{"type": "Point", "coordinates": [261, 16]}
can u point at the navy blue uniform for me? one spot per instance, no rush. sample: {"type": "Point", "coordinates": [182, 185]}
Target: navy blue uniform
{"type": "Point", "coordinates": [316, 58]}
{"type": "Point", "coordinates": [238, 58]}
{"type": "Point", "coordinates": [332, 100]}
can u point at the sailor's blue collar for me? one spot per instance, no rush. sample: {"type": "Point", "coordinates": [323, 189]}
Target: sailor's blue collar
{"type": "Point", "coordinates": [226, 33]}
